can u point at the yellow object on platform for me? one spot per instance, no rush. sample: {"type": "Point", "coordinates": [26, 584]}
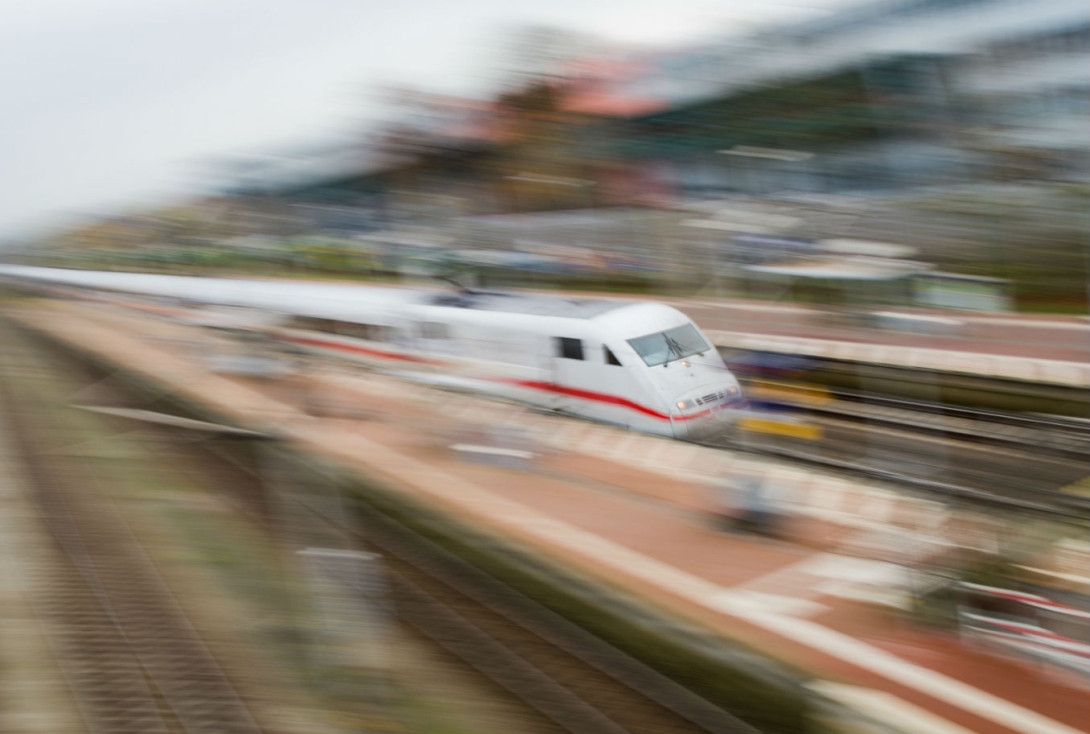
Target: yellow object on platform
{"type": "Point", "coordinates": [781, 428]}
{"type": "Point", "coordinates": [796, 393]}
{"type": "Point", "coordinates": [1081, 487]}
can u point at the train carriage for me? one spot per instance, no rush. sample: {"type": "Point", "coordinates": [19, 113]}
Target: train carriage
{"type": "Point", "coordinates": [645, 366]}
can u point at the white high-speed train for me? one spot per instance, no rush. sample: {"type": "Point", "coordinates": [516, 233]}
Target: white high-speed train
{"type": "Point", "coordinates": [641, 365]}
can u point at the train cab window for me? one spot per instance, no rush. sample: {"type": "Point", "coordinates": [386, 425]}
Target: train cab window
{"type": "Point", "coordinates": [665, 346]}
{"type": "Point", "coordinates": [569, 348]}
{"type": "Point", "coordinates": [609, 357]}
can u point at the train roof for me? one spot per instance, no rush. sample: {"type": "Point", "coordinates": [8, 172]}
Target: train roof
{"type": "Point", "coordinates": [526, 303]}
{"type": "Point", "coordinates": [325, 299]}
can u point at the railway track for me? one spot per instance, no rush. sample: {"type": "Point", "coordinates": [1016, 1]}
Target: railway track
{"type": "Point", "coordinates": [131, 657]}
{"type": "Point", "coordinates": [1000, 459]}
{"type": "Point", "coordinates": [1043, 434]}
{"type": "Point", "coordinates": [571, 678]}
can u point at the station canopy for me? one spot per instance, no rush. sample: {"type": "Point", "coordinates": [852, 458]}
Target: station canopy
{"type": "Point", "coordinates": [845, 268]}
{"type": "Point", "coordinates": [867, 248]}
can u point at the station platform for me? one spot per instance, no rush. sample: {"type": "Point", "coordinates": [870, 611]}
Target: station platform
{"type": "Point", "coordinates": [1017, 347]}
{"type": "Point", "coordinates": [633, 512]}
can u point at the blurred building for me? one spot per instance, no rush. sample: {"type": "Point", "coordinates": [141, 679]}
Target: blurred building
{"type": "Point", "coordinates": [882, 95]}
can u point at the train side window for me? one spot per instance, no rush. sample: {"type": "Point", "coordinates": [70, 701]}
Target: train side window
{"type": "Point", "coordinates": [569, 348]}
{"type": "Point", "coordinates": [433, 330]}
{"type": "Point", "coordinates": [309, 323]}
{"type": "Point", "coordinates": [355, 331]}
{"type": "Point", "coordinates": [367, 332]}
{"type": "Point", "coordinates": [609, 356]}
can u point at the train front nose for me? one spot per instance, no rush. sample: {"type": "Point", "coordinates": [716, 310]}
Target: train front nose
{"type": "Point", "coordinates": [707, 413]}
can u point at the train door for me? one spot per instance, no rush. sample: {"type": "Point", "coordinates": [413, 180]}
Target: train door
{"type": "Point", "coordinates": [569, 367]}
{"type": "Point", "coordinates": [522, 357]}
{"type": "Point", "coordinates": [509, 360]}
{"type": "Point", "coordinates": [588, 380]}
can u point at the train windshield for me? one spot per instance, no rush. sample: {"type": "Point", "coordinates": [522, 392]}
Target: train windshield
{"type": "Point", "coordinates": [664, 346]}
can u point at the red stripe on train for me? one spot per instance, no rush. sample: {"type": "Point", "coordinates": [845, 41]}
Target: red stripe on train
{"type": "Point", "coordinates": [532, 384]}
{"type": "Point", "coordinates": [355, 349]}
{"type": "Point", "coordinates": [602, 398]}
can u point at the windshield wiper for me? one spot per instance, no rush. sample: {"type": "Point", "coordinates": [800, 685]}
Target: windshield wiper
{"type": "Point", "coordinates": [674, 346]}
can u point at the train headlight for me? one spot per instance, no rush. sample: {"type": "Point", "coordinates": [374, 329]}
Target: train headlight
{"type": "Point", "coordinates": [684, 404]}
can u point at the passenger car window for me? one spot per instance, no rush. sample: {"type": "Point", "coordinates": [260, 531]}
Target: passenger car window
{"type": "Point", "coordinates": [367, 332]}
{"type": "Point", "coordinates": [610, 358]}
{"type": "Point", "coordinates": [569, 348]}
{"type": "Point", "coordinates": [309, 323]}
{"type": "Point", "coordinates": [433, 330]}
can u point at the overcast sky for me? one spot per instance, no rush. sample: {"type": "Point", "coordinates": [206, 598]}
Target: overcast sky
{"type": "Point", "coordinates": [110, 104]}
